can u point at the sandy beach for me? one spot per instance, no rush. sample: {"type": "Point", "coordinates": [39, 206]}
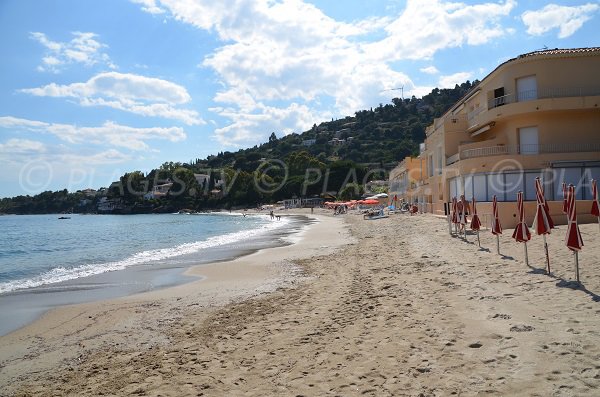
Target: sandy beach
{"type": "Point", "coordinates": [389, 307]}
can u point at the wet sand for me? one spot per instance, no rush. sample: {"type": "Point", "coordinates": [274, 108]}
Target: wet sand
{"type": "Point", "coordinates": [402, 309]}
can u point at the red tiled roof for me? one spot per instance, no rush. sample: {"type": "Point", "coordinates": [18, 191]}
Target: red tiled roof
{"type": "Point", "coordinates": [559, 51]}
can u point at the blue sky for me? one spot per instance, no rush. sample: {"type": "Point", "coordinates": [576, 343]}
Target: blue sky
{"type": "Point", "coordinates": [92, 89]}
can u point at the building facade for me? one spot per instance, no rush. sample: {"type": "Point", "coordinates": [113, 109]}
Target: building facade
{"type": "Point", "coordinates": [536, 115]}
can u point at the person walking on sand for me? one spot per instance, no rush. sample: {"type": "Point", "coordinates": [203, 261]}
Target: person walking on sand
{"type": "Point", "coordinates": [272, 215]}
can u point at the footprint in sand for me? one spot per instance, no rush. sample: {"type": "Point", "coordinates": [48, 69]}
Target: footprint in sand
{"type": "Point", "coordinates": [521, 328]}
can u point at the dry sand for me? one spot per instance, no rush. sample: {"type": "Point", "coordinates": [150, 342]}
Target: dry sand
{"type": "Point", "coordinates": [403, 309]}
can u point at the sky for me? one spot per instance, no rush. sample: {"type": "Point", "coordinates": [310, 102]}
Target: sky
{"type": "Point", "coordinates": [90, 90]}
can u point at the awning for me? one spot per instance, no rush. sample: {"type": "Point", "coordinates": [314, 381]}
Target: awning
{"type": "Point", "coordinates": [483, 129]}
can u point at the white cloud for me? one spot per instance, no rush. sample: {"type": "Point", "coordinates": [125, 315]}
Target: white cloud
{"type": "Point", "coordinates": [427, 26]}
{"type": "Point", "coordinates": [250, 125]}
{"type": "Point", "coordinates": [149, 6]}
{"type": "Point", "coordinates": [430, 70]}
{"type": "Point", "coordinates": [110, 156]}
{"type": "Point", "coordinates": [108, 133]}
{"type": "Point", "coordinates": [132, 93]}
{"type": "Point", "coordinates": [451, 80]}
{"type": "Point", "coordinates": [83, 48]}
{"type": "Point", "coordinates": [21, 146]}
{"type": "Point", "coordinates": [291, 57]}
{"type": "Point", "coordinates": [567, 19]}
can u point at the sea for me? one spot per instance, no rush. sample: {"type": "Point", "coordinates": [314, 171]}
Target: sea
{"type": "Point", "coordinates": [47, 262]}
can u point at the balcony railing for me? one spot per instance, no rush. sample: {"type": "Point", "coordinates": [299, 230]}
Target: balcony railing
{"type": "Point", "coordinates": [529, 149]}
{"type": "Point", "coordinates": [543, 93]}
{"type": "Point", "coordinates": [453, 159]}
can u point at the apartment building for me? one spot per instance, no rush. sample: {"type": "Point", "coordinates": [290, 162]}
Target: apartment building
{"type": "Point", "coordinates": [406, 180]}
{"type": "Point", "coordinates": [535, 115]}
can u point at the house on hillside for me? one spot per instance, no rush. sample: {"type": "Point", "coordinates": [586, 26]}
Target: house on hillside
{"type": "Point", "coordinates": [536, 115]}
{"type": "Point", "coordinates": [158, 191]}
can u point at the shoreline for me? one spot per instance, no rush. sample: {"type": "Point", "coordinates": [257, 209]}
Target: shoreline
{"type": "Point", "coordinates": [23, 306]}
{"type": "Point", "coordinates": [88, 326]}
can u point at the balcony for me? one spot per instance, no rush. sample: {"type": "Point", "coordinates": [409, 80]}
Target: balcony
{"type": "Point", "coordinates": [502, 150]}
{"type": "Point", "coordinates": [453, 159]}
{"type": "Point", "coordinates": [542, 93]}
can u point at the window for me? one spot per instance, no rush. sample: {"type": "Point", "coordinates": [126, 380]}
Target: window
{"type": "Point", "coordinates": [528, 140]}
{"type": "Point", "coordinates": [513, 183]}
{"type": "Point", "coordinates": [430, 165]}
{"type": "Point", "coordinates": [526, 89]}
{"type": "Point", "coordinates": [498, 97]}
{"type": "Point", "coordinates": [440, 161]}
{"type": "Point", "coordinates": [495, 185]}
{"type": "Point", "coordinates": [570, 176]}
{"type": "Point", "coordinates": [468, 187]}
{"type": "Point", "coordinates": [453, 190]}
{"type": "Point", "coordinates": [479, 187]}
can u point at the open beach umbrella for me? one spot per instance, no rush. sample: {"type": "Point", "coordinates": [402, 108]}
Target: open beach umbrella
{"type": "Point", "coordinates": [521, 233]}
{"type": "Point", "coordinates": [542, 222]}
{"type": "Point", "coordinates": [573, 238]}
{"type": "Point", "coordinates": [565, 204]}
{"type": "Point", "coordinates": [369, 202]}
{"type": "Point", "coordinates": [595, 210]}
{"type": "Point", "coordinates": [496, 226]}
{"type": "Point", "coordinates": [475, 222]}
{"type": "Point", "coordinates": [462, 214]}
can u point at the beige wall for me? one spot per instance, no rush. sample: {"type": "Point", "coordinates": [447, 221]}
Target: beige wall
{"type": "Point", "coordinates": [571, 116]}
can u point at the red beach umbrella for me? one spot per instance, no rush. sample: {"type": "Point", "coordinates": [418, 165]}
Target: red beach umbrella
{"type": "Point", "coordinates": [542, 222]}
{"type": "Point", "coordinates": [496, 226]}
{"type": "Point", "coordinates": [521, 233]}
{"type": "Point", "coordinates": [565, 208]}
{"type": "Point", "coordinates": [462, 214]}
{"type": "Point", "coordinates": [475, 222]}
{"type": "Point", "coordinates": [595, 210]}
{"type": "Point", "coordinates": [454, 218]}
{"type": "Point", "coordinates": [369, 202]}
{"type": "Point", "coordinates": [573, 238]}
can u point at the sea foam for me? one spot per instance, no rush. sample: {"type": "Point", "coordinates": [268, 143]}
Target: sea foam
{"type": "Point", "coordinates": [60, 274]}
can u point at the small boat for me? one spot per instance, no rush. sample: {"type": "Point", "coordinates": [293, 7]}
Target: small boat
{"type": "Point", "coordinates": [64, 217]}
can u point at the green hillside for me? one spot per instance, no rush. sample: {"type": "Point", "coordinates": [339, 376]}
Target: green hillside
{"type": "Point", "coordinates": [325, 158]}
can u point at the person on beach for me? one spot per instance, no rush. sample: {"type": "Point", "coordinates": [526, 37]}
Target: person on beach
{"type": "Point", "coordinates": [272, 215]}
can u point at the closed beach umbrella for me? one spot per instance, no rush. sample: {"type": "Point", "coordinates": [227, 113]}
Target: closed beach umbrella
{"type": "Point", "coordinates": [573, 238]}
{"type": "Point", "coordinates": [454, 213]}
{"type": "Point", "coordinates": [595, 208]}
{"type": "Point", "coordinates": [565, 204]}
{"type": "Point", "coordinates": [496, 226]}
{"type": "Point", "coordinates": [542, 222]}
{"type": "Point", "coordinates": [462, 214]}
{"type": "Point", "coordinates": [521, 233]}
{"type": "Point", "coordinates": [475, 222]}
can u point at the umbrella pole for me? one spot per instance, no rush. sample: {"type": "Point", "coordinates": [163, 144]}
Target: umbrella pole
{"type": "Point", "coordinates": [576, 265]}
{"type": "Point", "coordinates": [478, 241]}
{"type": "Point", "coordinates": [497, 244]}
{"type": "Point", "coordinates": [547, 255]}
{"type": "Point", "coordinates": [526, 256]}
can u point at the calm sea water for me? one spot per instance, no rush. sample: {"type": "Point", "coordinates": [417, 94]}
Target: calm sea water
{"type": "Point", "coordinates": [41, 250]}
